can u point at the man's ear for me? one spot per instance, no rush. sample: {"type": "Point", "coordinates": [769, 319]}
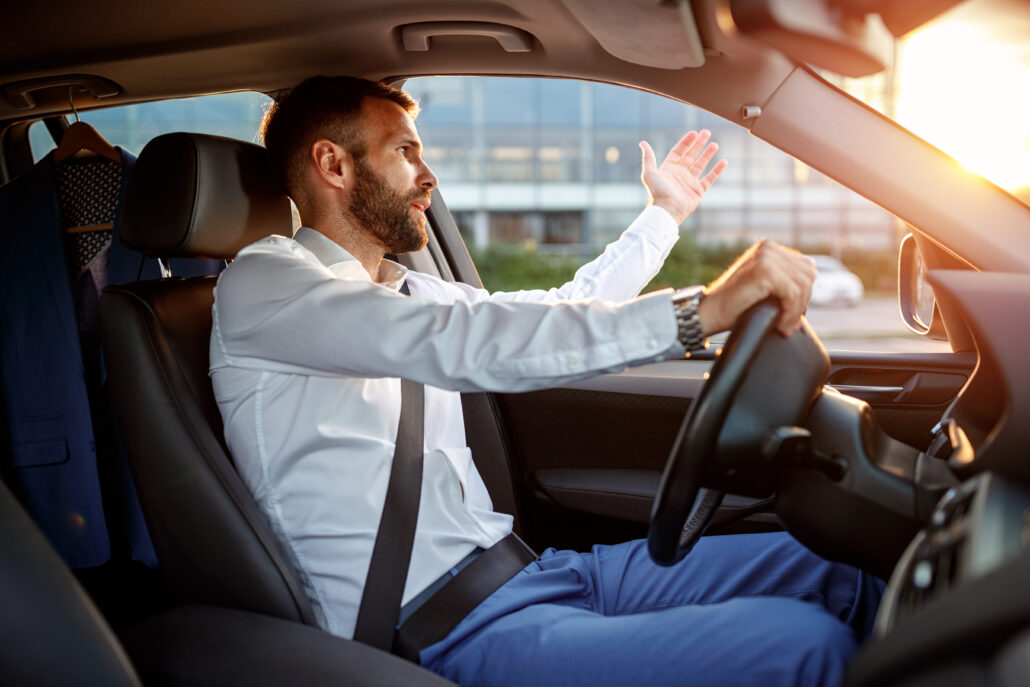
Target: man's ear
{"type": "Point", "coordinates": [333, 164]}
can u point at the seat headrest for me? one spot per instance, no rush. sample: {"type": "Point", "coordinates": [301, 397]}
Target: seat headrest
{"type": "Point", "coordinates": [200, 196]}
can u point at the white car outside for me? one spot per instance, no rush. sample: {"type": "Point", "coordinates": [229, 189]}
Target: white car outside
{"type": "Point", "coordinates": [835, 284]}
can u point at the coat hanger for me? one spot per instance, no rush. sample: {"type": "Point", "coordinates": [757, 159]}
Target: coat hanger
{"type": "Point", "coordinates": [82, 136]}
{"type": "Point", "coordinates": [78, 137]}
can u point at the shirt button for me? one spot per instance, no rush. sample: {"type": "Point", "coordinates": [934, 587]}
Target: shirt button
{"type": "Point", "coordinates": [651, 343]}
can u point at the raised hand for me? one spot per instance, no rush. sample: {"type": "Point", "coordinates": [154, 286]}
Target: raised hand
{"type": "Point", "coordinates": [678, 184]}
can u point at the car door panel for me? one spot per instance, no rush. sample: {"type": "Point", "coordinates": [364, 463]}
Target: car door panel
{"type": "Point", "coordinates": [592, 452]}
{"type": "Point", "coordinates": [606, 447]}
{"type": "Point", "coordinates": [908, 392]}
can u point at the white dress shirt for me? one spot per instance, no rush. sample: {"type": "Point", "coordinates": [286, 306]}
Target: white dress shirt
{"type": "Point", "coordinates": [306, 355]}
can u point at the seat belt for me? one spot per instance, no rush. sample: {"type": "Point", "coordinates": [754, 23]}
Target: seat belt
{"type": "Point", "coordinates": [388, 570]}
{"type": "Point", "coordinates": [380, 608]}
{"type": "Point", "coordinates": [391, 555]}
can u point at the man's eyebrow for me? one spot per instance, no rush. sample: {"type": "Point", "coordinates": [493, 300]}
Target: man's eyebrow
{"type": "Point", "coordinates": [413, 142]}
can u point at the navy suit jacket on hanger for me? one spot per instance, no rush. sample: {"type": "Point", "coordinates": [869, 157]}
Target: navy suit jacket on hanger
{"type": "Point", "coordinates": [49, 455]}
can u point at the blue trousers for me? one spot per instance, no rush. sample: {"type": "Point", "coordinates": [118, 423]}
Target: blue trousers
{"type": "Point", "coordinates": [754, 609]}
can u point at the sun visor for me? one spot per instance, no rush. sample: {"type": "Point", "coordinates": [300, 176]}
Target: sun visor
{"type": "Point", "coordinates": [630, 30]}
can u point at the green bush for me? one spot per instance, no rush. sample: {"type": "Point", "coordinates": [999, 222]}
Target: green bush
{"type": "Point", "coordinates": [507, 267]}
{"type": "Point", "coordinates": [683, 267]}
{"type": "Point", "coordinates": [690, 264]}
{"type": "Point", "coordinates": [878, 270]}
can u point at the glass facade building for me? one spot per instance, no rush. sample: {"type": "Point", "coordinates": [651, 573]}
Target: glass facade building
{"type": "Point", "coordinates": [556, 164]}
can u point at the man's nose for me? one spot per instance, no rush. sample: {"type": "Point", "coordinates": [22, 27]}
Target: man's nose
{"type": "Point", "coordinates": [427, 179]}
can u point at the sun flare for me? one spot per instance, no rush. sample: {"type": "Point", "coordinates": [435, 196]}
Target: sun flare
{"type": "Point", "coordinates": [970, 96]}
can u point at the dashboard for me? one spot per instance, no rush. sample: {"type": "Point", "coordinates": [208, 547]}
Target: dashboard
{"type": "Point", "coordinates": [958, 600]}
{"type": "Point", "coordinates": [957, 606]}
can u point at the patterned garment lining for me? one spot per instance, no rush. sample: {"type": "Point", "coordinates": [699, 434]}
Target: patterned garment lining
{"type": "Point", "coordinates": [87, 192]}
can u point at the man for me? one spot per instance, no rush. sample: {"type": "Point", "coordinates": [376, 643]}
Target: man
{"type": "Point", "coordinates": [310, 335]}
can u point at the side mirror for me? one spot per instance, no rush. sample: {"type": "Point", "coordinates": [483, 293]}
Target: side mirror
{"type": "Point", "coordinates": [915, 295]}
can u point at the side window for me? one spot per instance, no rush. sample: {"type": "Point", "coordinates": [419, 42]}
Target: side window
{"type": "Point", "coordinates": [541, 173]}
{"type": "Point", "coordinates": [235, 115]}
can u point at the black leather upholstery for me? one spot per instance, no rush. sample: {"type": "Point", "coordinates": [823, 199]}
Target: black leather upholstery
{"type": "Point", "coordinates": [219, 647]}
{"type": "Point", "coordinates": [214, 545]}
{"type": "Point", "coordinates": [200, 196]}
{"type": "Point", "coordinates": [50, 632]}
{"type": "Point", "coordinates": [192, 195]}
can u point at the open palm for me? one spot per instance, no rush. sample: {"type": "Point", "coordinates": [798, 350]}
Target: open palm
{"type": "Point", "coordinates": [678, 184]}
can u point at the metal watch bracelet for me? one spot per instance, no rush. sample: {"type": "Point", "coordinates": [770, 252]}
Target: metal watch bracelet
{"type": "Point", "coordinates": [685, 304]}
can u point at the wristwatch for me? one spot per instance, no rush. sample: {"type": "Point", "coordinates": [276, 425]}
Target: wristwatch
{"type": "Point", "coordinates": [688, 325]}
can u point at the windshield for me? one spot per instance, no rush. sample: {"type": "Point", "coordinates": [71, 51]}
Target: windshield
{"type": "Point", "coordinates": [962, 83]}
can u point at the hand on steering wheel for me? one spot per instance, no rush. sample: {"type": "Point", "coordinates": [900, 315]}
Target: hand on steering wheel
{"type": "Point", "coordinates": [761, 381]}
{"type": "Point", "coordinates": [765, 270]}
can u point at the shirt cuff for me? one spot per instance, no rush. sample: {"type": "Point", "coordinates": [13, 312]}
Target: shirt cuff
{"type": "Point", "coordinates": [657, 225]}
{"type": "Point", "coordinates": [657, 326]}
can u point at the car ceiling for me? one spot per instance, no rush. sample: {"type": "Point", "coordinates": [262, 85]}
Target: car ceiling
{"type": "Point", "coordinates": [188, 47]}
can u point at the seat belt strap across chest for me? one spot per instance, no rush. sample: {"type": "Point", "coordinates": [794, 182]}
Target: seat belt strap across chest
{"type": "Point", "coordinates": [380, 605]}
{"type": "Point", "coordinates": [391, 555]}
{"type": "Point", "coordinates": [380, 608]}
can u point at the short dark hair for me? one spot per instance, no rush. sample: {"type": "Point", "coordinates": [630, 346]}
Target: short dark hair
{"type": "Point", "coordinates": [320, 107]}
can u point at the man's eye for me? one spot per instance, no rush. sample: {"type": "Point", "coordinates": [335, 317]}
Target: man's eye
{"type": "Point", "coordinates": [403, 150]}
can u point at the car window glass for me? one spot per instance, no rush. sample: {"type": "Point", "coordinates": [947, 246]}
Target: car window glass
{"type": "Point", "coordinates": [541, 173]}
{"type": "Point", "coordinates": [234, 115]}
{"type": "Point", "coordinates": [967, 70]}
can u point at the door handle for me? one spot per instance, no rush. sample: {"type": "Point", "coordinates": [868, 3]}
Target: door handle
{"type": "Point", "coordinates": [416, 36]}
{"type": "Point", "coordinates": [871, 394]}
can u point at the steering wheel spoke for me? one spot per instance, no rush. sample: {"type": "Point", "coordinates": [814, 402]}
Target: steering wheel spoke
{"type": "Point", "coordinates": [706, 505]}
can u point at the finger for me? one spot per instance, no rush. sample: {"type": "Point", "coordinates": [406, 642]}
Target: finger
{"type": "Point", "coordinates": [791, 299]}
{"type": "Point", "coordinates": [808, 274]}
{"type": "Point", "coordinates": [704, 158]}
{"type": "Point", "coordinates": [798, 308]}
{"type": "Point", "coordinates": [778, 268]}
{"type": "Point", "coordinates": [799, 272]}
{"type": "Point", "coordinates": [648, 165]}
{"type": "Point", "coordinates": [696, 146]}
{"type": "Point", "coordinates": [681, 147]}
{"type": "Point", "coordinates": [709, 179]}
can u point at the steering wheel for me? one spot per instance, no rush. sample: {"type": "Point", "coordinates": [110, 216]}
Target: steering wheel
{"type": "Point", "coordinates": [762, 381]}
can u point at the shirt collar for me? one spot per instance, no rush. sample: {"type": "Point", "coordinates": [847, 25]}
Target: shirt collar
{"type": "Point", "coordinates": [343, 264]}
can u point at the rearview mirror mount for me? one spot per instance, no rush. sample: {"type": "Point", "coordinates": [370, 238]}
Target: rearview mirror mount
{"type": "Point", "coordinates": [848, 43]}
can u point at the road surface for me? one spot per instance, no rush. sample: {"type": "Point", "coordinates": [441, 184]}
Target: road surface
{"type": "Point", "coordinates": [874, 325]}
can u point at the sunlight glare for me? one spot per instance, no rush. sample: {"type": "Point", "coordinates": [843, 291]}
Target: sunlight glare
{"type": "Point", "coordinates": [969, 96]}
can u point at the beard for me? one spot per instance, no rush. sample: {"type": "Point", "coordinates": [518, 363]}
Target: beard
{"type": "Point", "coordinates": [385, 213]}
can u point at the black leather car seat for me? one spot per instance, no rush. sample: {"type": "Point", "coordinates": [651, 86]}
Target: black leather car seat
{"type": "Point", "coordinates": [193, 195]}
{"type": "Point", "coordinates": [52, 633]}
